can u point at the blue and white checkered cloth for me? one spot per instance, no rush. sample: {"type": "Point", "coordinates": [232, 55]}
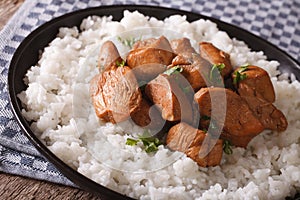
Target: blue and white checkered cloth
{"type": "Point", "coordinates": [277, 21]}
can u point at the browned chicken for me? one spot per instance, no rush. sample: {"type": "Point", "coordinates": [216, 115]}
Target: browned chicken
{"type": "Point", "coordinates": [257, 81]}
{"type": "Point", "coordinates": [150, 58]}
{"type": "Point", "coordinates": [183, 47]}
{"type": "Point", "coordinates": [196, 144]}
{"type": "Point", "coordinates": [115, 94]}
{"type": "Point", "coordinates": [147, 116]}
{"type": "Point", "coordinates": [140, 44]}
{"type": "Point", "coordinates": [216, 57]}
{"type": "Point", "coordinates": [257, 90]}
{"type": "Point", "coordinates": [108, 56]}
{"type": "Point", "coordinates": [196, 72]}
{"type": "Point", "coordinates": [166, 93]}
{"type": "Point", "coordinates": [175, 71]}
{"type": "Point", "coordinates": [195, 69]}
{"type": "Point", "coordinates": [226, 108]}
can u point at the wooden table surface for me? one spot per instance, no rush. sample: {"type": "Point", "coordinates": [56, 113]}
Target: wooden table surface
{"type": "Point", "coordinates": [17, 187]}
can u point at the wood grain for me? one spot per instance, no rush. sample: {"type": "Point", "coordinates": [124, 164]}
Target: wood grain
{"type": "Point", "coordinates": [17, 187]}
{"type": "Point", "coordinates": [7, 9]}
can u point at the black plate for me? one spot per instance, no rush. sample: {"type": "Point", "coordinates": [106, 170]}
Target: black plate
{"type": "Point", "coordinates": [27, 55]}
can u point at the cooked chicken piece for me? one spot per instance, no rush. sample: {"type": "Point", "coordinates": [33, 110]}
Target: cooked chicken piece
{"type": "Point", "coordinates": [258, 80]}
{"type": "Point", "coordinates": [196, 144]}
{"type": "Point", "coordinates": [150, 58]}
{"type": "Point", "coordinates": [216, 56]}
{"type": "Point", "coordinates": [165, 92]}
{"type": "Point", "coordinates": [257, 90]}
{"type": "Point", "coordinates": [147, 117]}
{"type": "Point", "coordinates": [225, 108]}
{"type": "Point", "coordinates": [115, 94]}
{"type": "Point", "coordinates": [140, 44]}
{"type": "Point", "coordinates": [108, 56]}
{"type": "Point", "coordinates": [270, 117]}
{"type": "Point", "coordinates": [195, 69]}
{"type": "Point", "coordinates": [183, 47]}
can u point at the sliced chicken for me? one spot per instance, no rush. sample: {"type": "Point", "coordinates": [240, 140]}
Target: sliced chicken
{"type": "Point", "coordinates": [270, 117]}
{"type": "Point", "coordinates": [147, 117]}
{"type": "Point", "coordinates": [195, 69]}
{"type": "Point", "coordinates": [140, 44]}
{"type": "Point", "coordinates": [174, 71]}
{"type": "Point", "coordinates": [165, 91]}
{"type": "Point", "coordinates": [150, 58]}
{"type": "Point", "coordinates": [229, 114]}
{"type": "Point", "coordinates": [183, 47]}
{"type": "Point", "coordinates": [216, 57]}
{"type": "Point", "coordinates": [115, 94]}
{"type": "Point", "coordinates": [196, 144]}
{"type": "Point", "coordinates": [108, 56]}
{"type": "Point", "coordinates": [257, 90]}
{"type": "Point", "coordinates": [258, 80]}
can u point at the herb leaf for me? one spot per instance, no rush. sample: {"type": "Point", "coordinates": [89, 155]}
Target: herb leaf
{"type": "Point", "coordinates": [151, 148]}
{"type": "Point", "coordinates": [215, 78]}
{"type": "Point", "coordinates": [186, 89]}
{"type": "Point", "coordinates": [150, 143]}
{"type": "Point", "coordinates": [174, 70]}
{"type": "Point", "coordinates": [205, 117]}
{"type": "Point", "coordinates": [213, 128]}
{"type": "Point", "coordinates": [129, 42]}
{"type": "Point", "coordinates": [219, 66]}
{"type": "Point", "coordinates": [120, 64]}
{"type": "Point", "coordinates": [238, 74]}
{"type": "Point", "coordinates": [239, 77]}
{"type": "Point", "coordinates": [243, 67]}
{"type": "Point", "coordinates": [131, 142]}
{"type": "Point", "coordinates": [227, 147]}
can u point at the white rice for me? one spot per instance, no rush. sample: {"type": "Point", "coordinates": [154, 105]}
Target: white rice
{"type": "Point", "coordinates": [57, 101]}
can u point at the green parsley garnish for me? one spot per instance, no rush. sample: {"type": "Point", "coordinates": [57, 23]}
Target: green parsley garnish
{"type": "Point", "coordinates": [244, 67]}
{"type": "Point", "coordinates": [215, 67]}
{"type": "Point", "coordinates": [214, 75]}
{"type": "Point", "coordinates": [205, 130]}
{"type": "Point", "coordinates": [227, 147]}
{"type": "Point", "coordinates": [120, 64]}
{"type": "Point", "coordinates": [213, 128]}
{"type": "Point", "coordinates": [205, 117]}
{"type": "Point", "coordinates": [150, 143]}
{"type": "Point", "coordinates": [238, 74]}
{"type": "Point", "coordinates": [186, 89]}
{"type": "Point", "coordinates": [239, 77]}
{"type": "Point", "coordinates": [129, 42]}
{"type": "Point", "coordinates": [131, 142]}
{"type": "Point", "coordinates": [174, 70]}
